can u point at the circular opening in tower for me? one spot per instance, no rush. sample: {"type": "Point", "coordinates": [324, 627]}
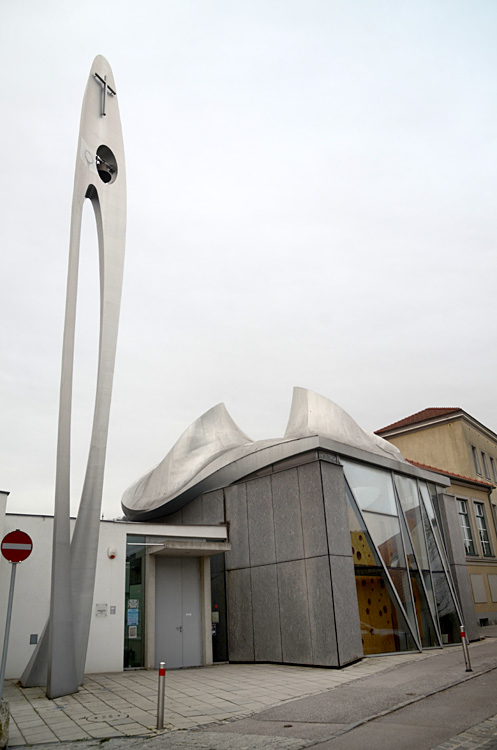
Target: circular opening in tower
{"type": "Point", "coordinates": [106, 164]}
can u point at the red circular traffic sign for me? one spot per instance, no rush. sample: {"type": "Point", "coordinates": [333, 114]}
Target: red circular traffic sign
{"type": "Point", "coordinates": [16, 546]}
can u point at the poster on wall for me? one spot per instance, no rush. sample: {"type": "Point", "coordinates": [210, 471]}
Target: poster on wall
{"type": "Point", "coordinates": [132, 617]}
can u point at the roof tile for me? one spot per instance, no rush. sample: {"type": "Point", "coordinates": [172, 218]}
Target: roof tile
{"type": "Point", "coordinates": [449, 473]}
{"type": "Point", "coordinates": [421, 416]}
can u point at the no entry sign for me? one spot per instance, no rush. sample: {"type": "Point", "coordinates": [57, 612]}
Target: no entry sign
{"type": "Point", "coordinates": [16, 546]}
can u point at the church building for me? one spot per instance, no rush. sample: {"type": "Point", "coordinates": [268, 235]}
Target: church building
{"type": "Point", "coordinates": [318, 548]}
{"type": "Point", "coordinates": [336, 543]}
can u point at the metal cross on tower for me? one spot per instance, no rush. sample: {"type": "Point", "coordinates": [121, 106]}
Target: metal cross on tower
{"type": "Point", "coordinates": [106, 88]}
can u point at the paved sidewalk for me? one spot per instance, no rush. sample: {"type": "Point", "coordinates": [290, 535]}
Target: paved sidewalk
{"type": "Point", "coordinates": [480, 737]}
{"type": "Point", "coordinates": [408, 702]}
{"type": "Point", "coordinates": [125, 704]}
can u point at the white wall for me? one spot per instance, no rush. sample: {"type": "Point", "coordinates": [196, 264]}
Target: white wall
{"type": "Point", "coordinates": [32, 595]}
{"type": "Point", "coordinates": [106, 645]}
{"type": "Point", "coordinates": [3, 506]}
{"type": "Point", "coordinates": [32, 590]}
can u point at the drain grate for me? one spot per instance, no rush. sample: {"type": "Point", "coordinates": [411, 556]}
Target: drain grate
{"type": "Point", "coordinates": [108, 716]}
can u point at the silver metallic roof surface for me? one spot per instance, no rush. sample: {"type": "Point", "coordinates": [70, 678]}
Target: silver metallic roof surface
{"type": "Point", "coordinates": [213, 452]}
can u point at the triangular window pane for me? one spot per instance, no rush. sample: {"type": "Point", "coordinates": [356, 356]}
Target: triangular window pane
{"type": "Point", "coordinates": [446, 608]}
{"type": "Point", "coordinates": [383, 625]}
{"type": "Point", "coordinates": [424, 613]}
{"type": "Point", "coordinates": [407, 490]}
{"type": "Point", "coordinates": [373, 490]}
{"type": "Point", "coordinates": [429, 495]}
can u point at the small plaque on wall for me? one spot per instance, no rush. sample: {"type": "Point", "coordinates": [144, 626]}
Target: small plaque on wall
{"type": "Point", "coordinates": [101, 610]}
{"type": "Point", "coordinates": [132, 631]}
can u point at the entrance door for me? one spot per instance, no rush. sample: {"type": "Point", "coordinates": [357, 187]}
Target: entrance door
{"type": "Point", "coordinates": [178, 635]}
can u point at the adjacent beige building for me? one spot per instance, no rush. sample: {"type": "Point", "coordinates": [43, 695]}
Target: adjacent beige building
{"type": "Point", "coordinates": [452, 442]}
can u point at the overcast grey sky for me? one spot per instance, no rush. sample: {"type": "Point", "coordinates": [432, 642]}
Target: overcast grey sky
{"type": "Point", "coordinates": [311, 201]}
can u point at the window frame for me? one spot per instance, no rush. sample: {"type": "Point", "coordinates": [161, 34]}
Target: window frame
{"type": "Point", "coordinates": [485, 464]}
{"type": "Point", "coordinates": [482, 528]}
{"type": "Point", "coordinates": [476, 460]}
{"type": "Point", "coordinates": [468, 538]}
{"type": "Point", "coordinates": [493, 468]}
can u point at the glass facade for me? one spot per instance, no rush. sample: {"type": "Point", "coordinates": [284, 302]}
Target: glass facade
{"type": "Point", "coordinates": [134, 612]}
{"type": "Point", "coordinates": [449, 618]}
{"type": "Point", "coordinates": [404, 591]}
{"type": "Point", "coordinates": [219, 609]}
{"type": "Point", "coordinates": [430, 504]}
{"type": "Point", "coordinates": [384, 626]}
{"type": "Point", "coordinates": [422, 592]}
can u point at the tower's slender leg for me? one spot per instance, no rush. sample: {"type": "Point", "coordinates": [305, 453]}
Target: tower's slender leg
{"type": "Point", "coordinates": [60, 656]}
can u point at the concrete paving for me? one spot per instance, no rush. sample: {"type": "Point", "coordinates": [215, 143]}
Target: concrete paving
{"type": "Point", "coordinates": [420, 701]}
{"type": "Point", "coordinates": [418, 705]}
{"type": "Point", "coordinates": [125, 704]}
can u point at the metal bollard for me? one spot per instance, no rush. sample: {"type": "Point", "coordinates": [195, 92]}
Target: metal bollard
{"type": "Point", "coordinates": [465, 649]}
{"type": "Point", "coordinates": [160, 696]}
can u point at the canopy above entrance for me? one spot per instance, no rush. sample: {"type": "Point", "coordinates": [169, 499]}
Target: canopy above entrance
{"type": "Point", "coordinates": [188, 548]}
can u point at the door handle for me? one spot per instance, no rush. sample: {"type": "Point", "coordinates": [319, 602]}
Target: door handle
{"type": "Point", "coordinates": [180, 628]}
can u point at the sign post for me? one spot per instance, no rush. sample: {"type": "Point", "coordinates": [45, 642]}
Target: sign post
{"type": "Point", "coordinates": [160, 695]}
{"type": "Point", "coordinates": [465, 649]}
{"type": "Point", "coordinates": [15, 547]}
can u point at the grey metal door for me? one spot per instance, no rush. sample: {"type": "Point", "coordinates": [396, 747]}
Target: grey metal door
{"type": "Point", "coordinates": [178, 636]}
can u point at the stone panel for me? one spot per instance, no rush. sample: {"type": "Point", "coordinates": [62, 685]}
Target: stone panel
{"type": "Point", "coordinates": [287, 520]}
{"type": "Point", "coordinates": [192, 513]}
{"type": "Point", "coordinates": [321, 615]}
{"type": "Point", "coordinates": [260, 520]}
{"type": "Point", "coordinates": [240, 628]}
{"type": "Point", "coordinates": [347, 623]}
{"type": "Point", "coordinates": [266, 614]}
{"type": "Point", "coordinates": [213, 507]}
{"type": "Point", "coordinates": [335, 504]}
{"type": "Point", "coordinates": [297, 460]}
{"type": "Point", "coordinates": [175, 518]}
{"type": "Point", "coordinates": [294, 615]}
{"type": "Point", "coordinates": [236, 516]}
{"type": "Point", "coordinates": [312, 510]}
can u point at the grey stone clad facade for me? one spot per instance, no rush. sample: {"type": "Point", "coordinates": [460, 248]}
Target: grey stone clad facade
{"type": "Point", "coordinates": [290, 573]}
